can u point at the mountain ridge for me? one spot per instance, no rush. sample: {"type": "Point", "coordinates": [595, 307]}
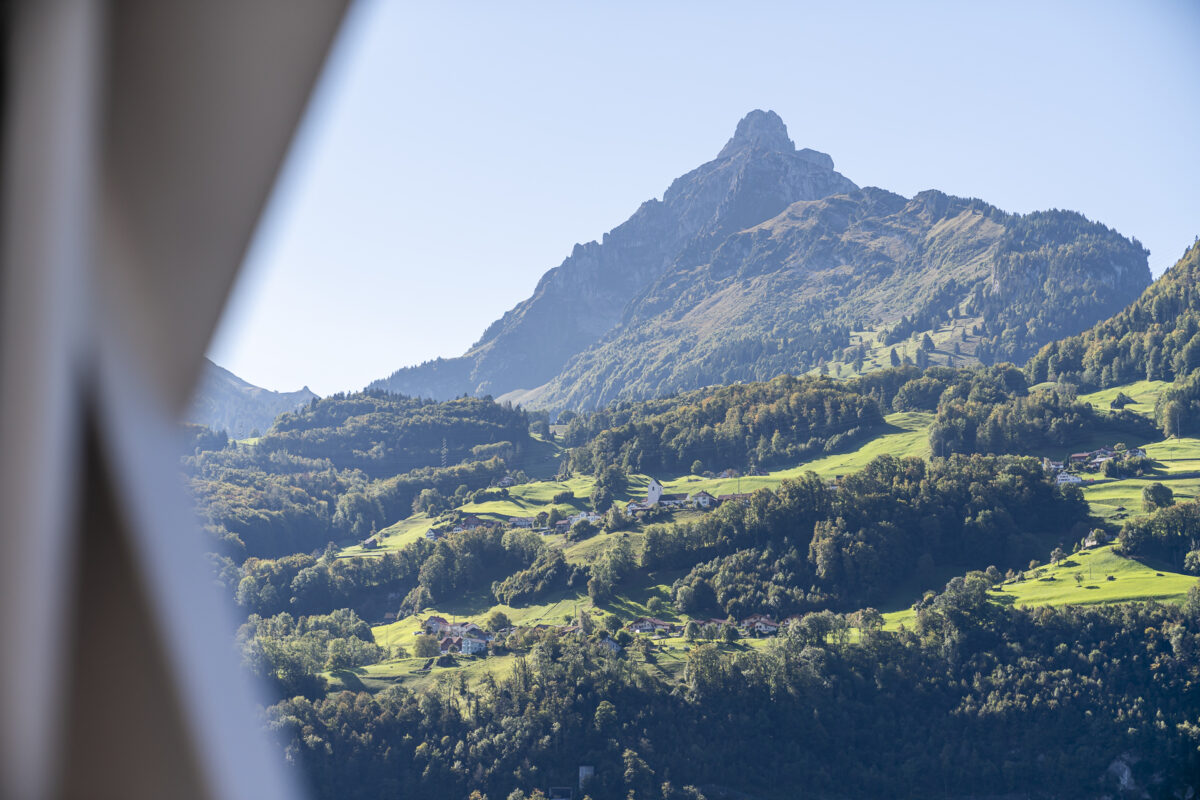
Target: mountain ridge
{"type": "Point", "coordinates": [765, 260]}
{"type": "Point", "coordinates": [223, 401]}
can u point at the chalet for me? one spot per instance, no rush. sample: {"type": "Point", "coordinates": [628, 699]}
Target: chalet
{"type": "Point", "coordinates": [436, 625]}
{"type": "Point", "coordinates": [371, 543]}
{"type": "Point", "coordinates": [471, 646]}
{"type": "Point", "coordinates": [1066, 477]}
{"type": "Point", "coordinates": [744, 497]}
{"type": "Point", "coordinates": [521, 522]}
{"type": "Point", "coordinates": [729, 473]}
{"type": "Point", "coordinates": [506, 482]}
{"type": "Point", "coordinates": [650, 625]}
{"type": "Point", "coordinates": [703, 499]}
{"type": "Point", "coordinates": [760, 624]}
{"type": "Point", "coordinates": [433, 535]}
{"type": "Point", "coordinates": [562, 526]}
{"type": "Point", "coordinates": [1079, 458]}
{"type": "Point", "coordinates": [1136, 452]}
{"type": "Point", "coordinates": [471, 522]}
{"type": "Point", "coordinates": [673, 500]}
{"type": "Point", "coordinates": [451, 644]}
{"type": "Point", "coordinates": [1100, 461]}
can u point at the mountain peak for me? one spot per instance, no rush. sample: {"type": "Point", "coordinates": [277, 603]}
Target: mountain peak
{"type": "Point", "coordinates": [759, 128]}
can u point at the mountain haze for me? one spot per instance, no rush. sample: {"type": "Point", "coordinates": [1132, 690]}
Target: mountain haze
{"type": "Point", "coordinates": [225, 402]}
{"type": "Point", "coordinates": [766, 260]}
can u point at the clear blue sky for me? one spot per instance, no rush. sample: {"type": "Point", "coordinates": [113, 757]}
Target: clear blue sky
{"type": "Point", "coordinates": [455, 152]}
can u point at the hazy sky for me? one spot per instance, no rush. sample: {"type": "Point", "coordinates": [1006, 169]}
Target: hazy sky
{"type": "Point", "coordinates": [454, 152]}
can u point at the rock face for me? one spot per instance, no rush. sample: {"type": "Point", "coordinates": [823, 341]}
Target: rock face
{"type": "Point", "coordinates": [763, 261]}
{"type": "Point", "coordinates": [757, 174]}
{"type": "Point", "coordinates": [226, 402]}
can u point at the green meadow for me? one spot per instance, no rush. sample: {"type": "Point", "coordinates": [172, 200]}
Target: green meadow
{"type": "Point", "coordinates": [1144, 394]}
{"type": "Point", "coordinates": [1056, 585]}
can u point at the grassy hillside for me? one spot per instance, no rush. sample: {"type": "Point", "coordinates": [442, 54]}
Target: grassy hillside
{"type": "Point", "coordinates": [1144, 393]}
{"type": "Point", "coordinates": [1055, 585]}
{"type": "Point", "coordinates": [1177, 465]}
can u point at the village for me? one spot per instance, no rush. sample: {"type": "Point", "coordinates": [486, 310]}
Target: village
{"type": "Point", "coordinates": [1092, 461]}
{"type": "Point", "coordinates": [469, 639]}
{"type": "Point", "coordinates": [1078, 468]}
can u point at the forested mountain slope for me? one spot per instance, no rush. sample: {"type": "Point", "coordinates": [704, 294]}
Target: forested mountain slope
{"type": "Point", "coordinates": [786, 295]}
{"type": "Point", "coordinates": [1156, 338]}
{"type": "Point", "coordinates": [764, 261]}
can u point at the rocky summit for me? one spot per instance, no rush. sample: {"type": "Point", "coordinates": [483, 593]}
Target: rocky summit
{"type": "Point", "coordinates": [766, 260]}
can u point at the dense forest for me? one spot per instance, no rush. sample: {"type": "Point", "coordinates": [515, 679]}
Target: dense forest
{"type": "Point", "coordinates": [785, 419]}
{"type": "Point", "coordinates": [993, 411]}
{"type": "Point", "coordinates": [976, 700]}
{"type": "Point", "coordinates": [387, 434]}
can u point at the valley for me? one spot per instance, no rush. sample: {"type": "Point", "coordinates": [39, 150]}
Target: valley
{"type": "Point", "coordinates": [817, 463]}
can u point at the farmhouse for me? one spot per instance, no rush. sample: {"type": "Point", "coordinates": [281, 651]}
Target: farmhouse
{"type": "Point", "coordinates": [521, 522]}
{"type": "Point", "coordinates": [636, 505]}
{"type": "Point", "coordinates": [1079, 458]}
{"type": "Point", "coordinates": [703, 499]}
{"type": "Point", "coordinates": [760, 624]}
{"type": "Point", "coordinates": [650, 625]}
{"type": "Point", "coordinates": [371, 543]}
{"type": "Point", "coordinates": [673, 500]}
{"type": "Point", "coordinates": [436, 625]}
{"type": "Point", "coordinates": [1066, 477]}
{"type": "Point", "coordinates": [729, 473]}
{"type": "Point", "coordinates": [505, 482]}
{"type": "Point", "coordinates": [744, 497]}
{"type": "Point", "coordinates": [451, 644]}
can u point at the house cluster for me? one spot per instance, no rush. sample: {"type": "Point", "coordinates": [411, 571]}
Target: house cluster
{"type": "Point", "coordinates": [753, 625]}
{"type": "Point", "coordinates": [658, 497]}
{"type": "Point", "coordinates": [1090, 461]}
{"type": "Point", "coordinates": [564, 525]}
{"type": "Point", "coordinates": [458, 637]}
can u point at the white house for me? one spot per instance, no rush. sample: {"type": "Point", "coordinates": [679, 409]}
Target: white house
{"type": "Point", "coordinates": [1067, 477]}
{"type": "Point", "coordinates": [761, 624]}
{"type": "Point", "coordinates": [471, 646]}
{"type": "Point", "coordinates": [703, 499]}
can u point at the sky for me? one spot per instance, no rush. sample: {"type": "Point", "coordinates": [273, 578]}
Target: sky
{"type": "Point", "coordinates": [454, 152]}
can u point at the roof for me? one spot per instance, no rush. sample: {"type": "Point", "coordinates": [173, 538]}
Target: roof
{"type": "Point", "coordinates": [702, 492]}
{"type": "Point", "coordinates": [670, 497]}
